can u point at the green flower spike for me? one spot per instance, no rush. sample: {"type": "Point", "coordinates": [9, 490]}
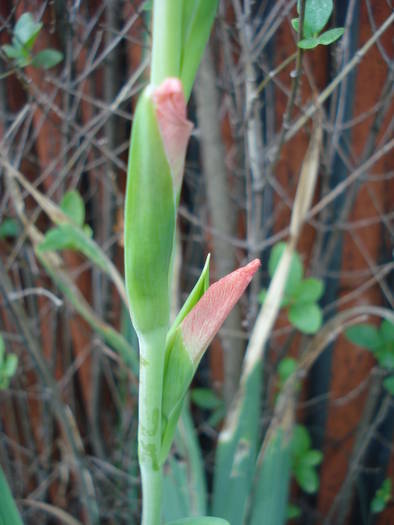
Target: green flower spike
{"type": "Point", "coordinates": [157, 155]}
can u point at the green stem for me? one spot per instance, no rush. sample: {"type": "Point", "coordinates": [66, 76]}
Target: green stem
{"type": "Point", "coordinates": [149, 423]}
{"type": "Point", "coordinates": [167, 38]}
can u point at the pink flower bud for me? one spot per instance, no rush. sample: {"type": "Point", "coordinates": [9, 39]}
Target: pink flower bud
{"type": "Point", "coordinates": [204, 321]}
{"type": "Point", "coordinates": [175, 129]}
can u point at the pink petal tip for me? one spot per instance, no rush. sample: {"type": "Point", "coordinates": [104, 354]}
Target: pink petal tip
{"type": "Point", "coordinates": [204, 321]}
{"type": "Point", "coordinates": [175, 129]}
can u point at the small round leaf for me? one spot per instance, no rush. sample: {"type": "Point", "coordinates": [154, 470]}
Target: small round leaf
{"type": "Point", "coordinates": [307, 317]}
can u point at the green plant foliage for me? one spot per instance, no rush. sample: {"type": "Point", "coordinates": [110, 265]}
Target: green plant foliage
{"type": "Point", "coordinates": [8, 366]}
{"type": "Point", "coordinates": [47, 58]}
{"type": "Point", "coordinates": [9, 514]}
{"type": "Point", "coordinates": [316, 16]}
{"type": "Point", "coordinates": [272, 485]}
{"type": "Point", "coordinates": [201, 520]}
{"type": "Point", "coordinates": [307, 317]}
{"type": "Point", "coordinates": [198, 16]}
{"type": "Point", "coordinates": [296, 269]}
{"type": "Point", "coordinates": [300, 294]}
{"type": "Point", "coordinates": [185, 493]}
{"type": "Point", "coordinates": [379, 341]}
{"type": "Point", "coordinates": [20, 51]}
{"type": "Point", "coordinates": [286, 368]}
{"type": "Point", "coordinates": [236, 452]}
{"type": "Point", "coordinates": [73, 206]}
{"type": "Point", "coordinates": [308, 290]}
{"type": "Point", "coordinates": [305, 460]}
{"type": "Point", "coordinates": [206, 399]}
{"type": "Point", "coordinates": [70, 237]}
{"type": "Point", "coordinates": [364, 335]}
{"type": "Point", "coordinates": [293, 511]}
{"type": "Point", "coordinates": [382, 497]}
{"type": "Point", "coordinates": [9, 228]}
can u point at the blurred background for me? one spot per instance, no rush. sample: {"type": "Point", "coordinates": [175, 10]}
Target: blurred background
{"type": "Point", "coordinates": [68, 414]}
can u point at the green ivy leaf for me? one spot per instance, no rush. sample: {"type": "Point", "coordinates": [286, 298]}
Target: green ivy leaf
{"type": "Point", "coordinates": [312, 458]}
{"type": "Point", "coordinates": [388, 384]}
{"type": "Point", "coordinates": [2, 350]}
{"type": "Point", "coordinates": [295, 22]}
{"type": "Point", "coordinates": [296, 270]}
{"type": "Point", "coordinates": [364, 335]}
{"type": "Point", "coordinates": [47, 58]}
{"type": "Point", "coordinates": [306, 317]}
{"type": "Point", "coordinates": [385, 356]}
{"type": "Point", "coordinates": [26, 31]}
{"type": "Point", "coordinates": [317, 13]}
{"type": "Point", "coordinates": [308, 43]}
{"type": "Point", "coordinates": [300, 442]}
{"type": "Point", "coordinates": [307, 478]}
{"type": "Point", "coordinates": [382, 497]}
{"type": "Point", "coordinates": [287, 366]}
{"type": "Point", "coordinates": [10, 365]}
{"type": "Point", "coordinates": [308, 290]}
{"type": "Point", "coordinates": [205, 398]}
{"type": "Point", "coordinates": [11, 51]}
{"type": "Point", "coordinates": [73, 206]}
{"type": "Point", "coordinates": [377, 505]}
{"type": "Point", "coordinates": [9, 228]}
{"type": "Point", "coordinates": [330, 36]}
{"type": "Point", "coordinates": [293, 511]}
{"type": "Point", "coordinates": [386, 331]}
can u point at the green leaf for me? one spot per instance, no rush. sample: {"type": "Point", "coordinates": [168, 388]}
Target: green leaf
{"type": "Point", "coordinates": [235, 462]}
{"type": "Point", "coordinates": [317, 13]}
{"type": "Point", "coordinates": [300, 442]}
{"type": "Point", "coordinates": [308, 290]}
{"type": "Point", "coordinates": [9, 228]}
{"type": "Point", "coordinates": [2, 349]}
{"type": "Point", "coordinates": [386, 331]}
{"type": "Point", "coordinates": [198, 17]}
{"type": "Point", "coordinates": [47, 58]}
{"type": "Point", "coordinates": [382, 496]}
{"type": "Point", "coordinates": [295, 22]}
{"type": "Point", "coordinates": [296, 269]}
{"type": "Point", "coordinates": [70, 237]}
{"type": "Point", "coordinates": [308, 43]}
{"type": "Point", "coordinates": [11, 51]}
{"type": "Point", "coordinates": [269, 506]}
{"type": "Point", "coordinates": [385, 356]}
{"type": "Point", "coordinates": [201, 520]}
{"type": "Point", "coordinates": [8, 510]}
{"type": "Point", "coordinates": [306, 317]}
{"type": "Point", "coordinates": [149, 221]}
{"type": "Point", "coordinates": [205, 398]}
{"type": "Point", "coordinates": [26, 30]}
{"type": "Point", "coordinates": [195, 295]}
{"type": "Point", "coordinates": [330, 36]}
{"type": "Point", "coordinates": [10, 365]}
{"type": "Point", "coordinates": [307, 478]}
{"type": "Point", "coordinates": [364, 335]}
{"type": "Point", "coordinates": [312, 458]}
{"type": "Point", "coordinates": [73, 206]}
{"type": "Point", "coordinates": [388, 384]}
{"type": "Point", "coordinates": [293, 511]}
{"type": "Point", "coordinates": [377, 505]}
{"type": "Point", "coordinates": [287, 366]}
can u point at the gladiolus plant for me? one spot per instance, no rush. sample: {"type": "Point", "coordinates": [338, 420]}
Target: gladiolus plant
{"type": "Point", "coordinates": [169, 356]}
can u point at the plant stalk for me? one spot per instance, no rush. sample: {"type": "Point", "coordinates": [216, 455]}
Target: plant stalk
{"type": "Point", "coordinates": [166, 40]}
{"type": "Point", "coordinates": [149, 423]}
